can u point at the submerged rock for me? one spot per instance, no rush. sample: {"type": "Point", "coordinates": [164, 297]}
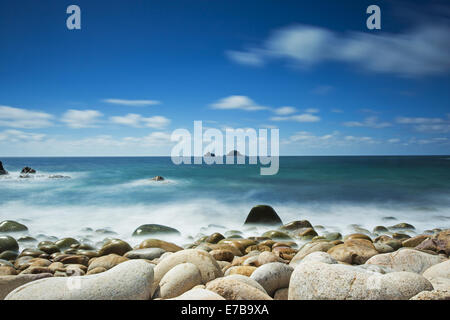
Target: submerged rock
{"type": "Point", "coordinates": [12, 226]}
{"type": "Point", "coordinates": [130, 280]}
{"type": "Point", "coordinates": [156, 243]}
{"type": "Point", "coordinates": [263, 214]}
{"type": "Point", "coordinates": [153, 229]}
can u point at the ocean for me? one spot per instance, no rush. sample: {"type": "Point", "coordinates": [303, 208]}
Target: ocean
{"type": "Point", "coordinates": [117, 194]}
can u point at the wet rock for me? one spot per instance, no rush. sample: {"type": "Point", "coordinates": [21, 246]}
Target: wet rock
{"type": "Point", "coordinates": [380, 229]}
{"type": "Point", "coordinates": [12, 226]}
{"type": "Point", "coordinates": [276, 235]}
{"type": "Point", "coordinates": [357, 236]}
{"type": "Point", "coordinates": [215, 238]}
{"type": "Point", "coordinates": [154, 229]}
{"type": "Point", "coordinates": [66, 243]}
{"type": "Point", "coordinates": [232, 289]}
{"type": "Point", "coordinates": [331, 236]}
{"type": "Point", "coordinates": [263, 214]}
{"type": "Point", "coordinates": [158, 178]}
{"type": "Point", "coordinates": [322, 281]}
{"type": "Point", "coordinates": [406, 260]}
{"type": "Point", "coordinates": [382, 247]}
{"type": "Point", "coordinates": [222, 255]}
{"type": "Point", "coordinates": [296, 225]}
{"type": "Point", "coordinates": [115, 246]}
{"type": "Point", "coordinates": [28, 170]}
{"type": "Point", "coordinates": [309, 248]}
{"type": "Point", "coordinates": [355, 251]}
{"type": "Point", "coordinates": [26, 239]}
{"type": "Point", "coordinates": [155, 243]}
{"type": "Point", "coordinates": [9, 283]}
{"type": "Point", "coordinates": [178, 280]}
{"type": "Point", "coordinates": [128, 281]}
{"type": "Point", "coordinates": [273, 276]}
{"type": "Point", "coordinates": [400, 236]}
{"type": "Point", "coordinates": [49, 248]}
{"type": "Point", "coordinates": [75, 259]}
{"type": "Point", "coordinates": [199, 294]}
{"type": "Point", "coordinates": [208, 267]}
{"type": "Point", "coordinates": [8, 255]}
{"type": "Point", "coordinates": [106, 262]}
{"type": "Point", "coordinates": [8, 243]}
{"type": "Point", "coordinates": [306, 233]}
{"type": "Point", "coordinates": [415, 241]}
{"type": "Point", "coordinates": [149, 253]}
{"type": "Point", "coordinates": [402, 226]}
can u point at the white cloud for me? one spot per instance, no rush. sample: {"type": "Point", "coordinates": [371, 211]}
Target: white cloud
{"type": "Point", "coordinates": [23, 118]}
{"type": "Point", "coordinates": [427, 125]}
{"type": "Point", "coordinates": [420, 51]}
{"type": "Point", "coordinates": [138, 121]}
{"type": "Point", "coordinates": [282, 111]}
{"type": "Point", "coordinates": [370, 122]}
{"type": "Point", "coordinates": [394, 140]}
{"type": "Point", "coordinates": [306, 117]}
{"type": "Point", "coordinates": [17, 135]}
{"type": "Point", "coordinates": [248, 58]}
{"type": "Point", "coordinates": [81, 118]}
{"type": "Point", "coordinates": [132, 103]}
{"type": "Point", "coordinates": [237, 102]}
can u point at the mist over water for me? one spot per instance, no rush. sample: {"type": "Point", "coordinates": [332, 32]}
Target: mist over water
{"type": "Point", "coordinates": [118, 194]}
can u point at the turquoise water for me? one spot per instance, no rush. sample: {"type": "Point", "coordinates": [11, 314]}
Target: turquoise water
{"type": "Point", "coordinates": [117, 193]}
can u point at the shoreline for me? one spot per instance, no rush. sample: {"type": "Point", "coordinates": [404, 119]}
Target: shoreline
{"type": "Point", "coordinates": [233, 262]}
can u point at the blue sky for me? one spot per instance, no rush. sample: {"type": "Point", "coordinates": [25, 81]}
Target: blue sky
{"type": "Point", "coordinates": [137, 70]}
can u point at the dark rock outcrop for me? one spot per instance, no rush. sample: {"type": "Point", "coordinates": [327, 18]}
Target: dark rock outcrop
{"type": "Point", "coordinates": [158, 178]}
{"type": "Point", "coordinates": [263, 214]}
{"type": "Point", "coordinates": [12, 226]}
{"type": "Point", "coordinates": [27, 170]}
{"type": "Point", "coordinates": [2, 170]}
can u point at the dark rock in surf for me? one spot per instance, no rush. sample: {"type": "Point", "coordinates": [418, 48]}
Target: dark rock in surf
{"type": "Point", "coordinates": [12, 226]}
{"type": "Point", "coordinates": [158, 178]}
{"type": "Point", "coordinates": [2, 170]}
{"type": "Point", "coordinates": [263, 214]}
{"type": "Point", "coordinates": [27, 170]}
{"type": "Point", "coordinates": [8, 243]}
{"type": "Point", "coordinates": [152, 229]}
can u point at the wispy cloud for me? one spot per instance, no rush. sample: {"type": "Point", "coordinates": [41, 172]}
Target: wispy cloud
{"type": "Point", "coordinates": [305, 117]}
{"type": "Point", "coordinates": [282, 111]}
{"type": "Point", "coordinates": [138, 121]}
{"type": "Point", "coordinates": [17, 135]}
{"type": "Point", "coordinates": [420, 51]}
{"type": "Point", "coordinates": [427, 125]}
{"type": "Point", "coordinates": [369, 122]}
{"type": "Point", "coordinates": [78, 119]}
{"type": "Point", "coordinates": [248, 58]}
{"type": "Point", "coordinates": [132, 103]}
{"type": "Point", "coordinates": [237, 102]}
{"type": "Point", "coordinates": [23, 118]}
